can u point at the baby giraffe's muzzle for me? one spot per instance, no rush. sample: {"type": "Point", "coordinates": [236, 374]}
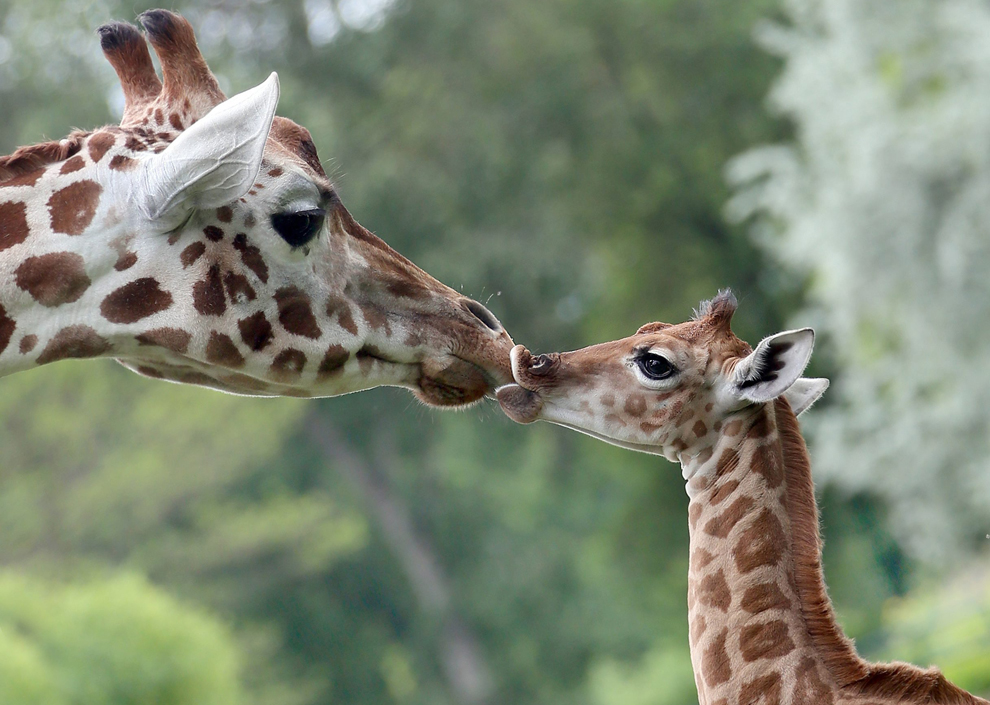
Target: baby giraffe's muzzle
{"type": "Point", "coordinates": [519, 403]}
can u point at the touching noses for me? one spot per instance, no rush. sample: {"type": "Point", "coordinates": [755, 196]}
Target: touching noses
{"type": "Point", "coordinates": [482, 314]}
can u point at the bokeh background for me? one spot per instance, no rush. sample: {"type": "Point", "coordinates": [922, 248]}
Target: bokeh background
{"type": "Point", "coordinates": [582, 167]}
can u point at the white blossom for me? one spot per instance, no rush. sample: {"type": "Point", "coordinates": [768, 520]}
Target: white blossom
{"type": "Point", "coordinates": [883, 202]}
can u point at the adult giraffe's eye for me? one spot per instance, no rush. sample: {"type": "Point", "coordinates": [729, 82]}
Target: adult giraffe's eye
{"type": "Point", "coordinates": [299, 227]}
{"type": "Point", "coordinates": [655, 366]}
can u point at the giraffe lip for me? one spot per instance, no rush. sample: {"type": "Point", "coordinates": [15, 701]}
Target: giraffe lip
{"type": "Point", "coordinates": [519, 404]}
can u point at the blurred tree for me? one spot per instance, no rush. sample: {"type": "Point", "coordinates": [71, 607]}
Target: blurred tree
{"type": "Point", "coordinates": [883, 203]}
{"type": "Point", "coordinates": [116, 641]}
{"type": "Point", "coordinates": [947, 624]}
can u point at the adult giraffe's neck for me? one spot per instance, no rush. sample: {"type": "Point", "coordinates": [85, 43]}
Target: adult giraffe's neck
{"type": "Point", "coordinates": [761, 624]}
{"type": "Point", "coordinates": [54, 274]}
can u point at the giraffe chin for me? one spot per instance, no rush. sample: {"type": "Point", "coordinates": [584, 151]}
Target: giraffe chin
{"type": "Point", "coordinates": [519, 404]}
{"type": "Point", "coordinates": [459, 383]}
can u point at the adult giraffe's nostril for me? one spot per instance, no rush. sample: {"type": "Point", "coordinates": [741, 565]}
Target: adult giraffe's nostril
{"type": "Point", "coordinates": [482, 314]}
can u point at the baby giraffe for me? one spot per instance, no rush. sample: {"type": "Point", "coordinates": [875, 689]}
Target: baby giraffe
{"type": "Point", "coordinates": [762, 628]}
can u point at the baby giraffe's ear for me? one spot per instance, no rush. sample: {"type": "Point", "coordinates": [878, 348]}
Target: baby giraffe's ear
{"type": "Point", "coordinates": [774, 366]}
{"type": "Point", "coordinates": [805, 392]}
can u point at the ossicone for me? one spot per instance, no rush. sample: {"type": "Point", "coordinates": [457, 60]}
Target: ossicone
{"type": "Point", "coordinates": [187, 86]}
{"type": "Point", "coordinates": [718, 310]}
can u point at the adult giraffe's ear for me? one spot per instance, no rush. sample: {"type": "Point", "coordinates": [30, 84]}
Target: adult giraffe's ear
{"type": "Point", "coordinates": [805, 392]}
{"type": "Point", "coordinates": [213, 162]}
{"type": "Point", "coordinates": [773, 367]}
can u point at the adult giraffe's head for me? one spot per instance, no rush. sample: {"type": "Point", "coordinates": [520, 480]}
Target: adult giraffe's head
{"type": "Point", "coordinates": [200, 241]}
{"type": "Point", "coordinates": [669, 389]}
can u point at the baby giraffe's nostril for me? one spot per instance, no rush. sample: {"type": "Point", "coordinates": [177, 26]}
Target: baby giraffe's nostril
{"type": "Point", "coordinates": [483, 315]}
{"type": "Point", "coordinates": [540, 364]}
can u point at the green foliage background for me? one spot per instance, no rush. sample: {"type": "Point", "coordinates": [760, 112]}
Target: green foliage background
{"type": "Point", "coordinates": [561, 161]}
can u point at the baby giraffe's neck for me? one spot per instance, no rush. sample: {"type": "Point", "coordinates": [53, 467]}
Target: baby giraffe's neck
{"type": "Point", "coordinates": [762, 629]}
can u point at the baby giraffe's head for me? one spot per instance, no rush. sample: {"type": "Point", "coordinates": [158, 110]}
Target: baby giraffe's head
{"type": "Point", "coordinates": [669, 389]}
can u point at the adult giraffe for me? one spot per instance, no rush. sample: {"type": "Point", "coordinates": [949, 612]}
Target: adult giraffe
{"type": "Point", "coordinates": [201, 242]}
{"type": "Point", "coordinates": [762, 628]}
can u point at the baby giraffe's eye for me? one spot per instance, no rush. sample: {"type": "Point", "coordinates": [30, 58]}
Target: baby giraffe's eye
{"type": "Point", "coordinates": [299, 227]}
{"type": "Point", "coordinates": [655, 366]}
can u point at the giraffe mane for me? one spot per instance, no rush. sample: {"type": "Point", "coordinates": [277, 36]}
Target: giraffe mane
{"type": "Point", "coordinates": [880, 680]}
{"type": "Point", "coordinates": [26, 160]}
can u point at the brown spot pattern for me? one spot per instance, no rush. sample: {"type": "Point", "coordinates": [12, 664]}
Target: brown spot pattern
{"type": "Point", "coordinates": [238, 287]}
{"type": "Point", "coordinates": [192, 253]}
{"type": "Point", "coordinates": [125, 260]}
{"type": "Point", "coordinates": [213, 233]}
{"type": "Point", "coordinates": [73, 207]}
{"type": "Point", "coordinates": [172, 339]}
{"type": "Point", "coordinates": [13, 225]}
{"type": "Point", "coordinates": [810, 688]}
{"type": "Point", "coordinates": [28, 179]}
{"type": "Point", "coordinates": [704, 456]}
{"type": "Point", "coordinates": [134, 144]}
{"type": "Point", "coordinates": [694, 513]}
{"type": "Point", "coordinates": [295, 314]}
{"type": "Point", "coordinates": [715, 665]}
{"type": "Point", "coordinates": [53, 279]}
{"type": "Point", "coordinates": [763, 690]}
{"type": "Point", "coordinates": [225, 214]}
{"type": "Point", "coordinates": [100, 144]}
{"type": "Point", "coordinates": [27, 344]}
{"type": "Point", "coordinates": [772, 469]}
{"type": "Point", "coordinates": [733, 427]}
{"type": "Point", "coordinates": [700, 557]}
{"type": "Point", "coordinates": [763, 597]}
{"type": "Point", "coordinates": [7, 326]}
{"type": "Point", "coordinates": [121, 163]}
{"type": "Point", "coordinates": [74, 164]}
{"type": "Point", "coordinates": [722, 525]}
{"type": "Point", "coordinates": [288, 365]}
{"type": "Point", "coordinates": [256, 331]}
{"type": "Point", "coordinates": [208, 296]}
{"type": "Point", "coordinates": [333, 361]}
{"type": "Point", "coordinates": [727, 462]}
{"type": "Point", "coordinates": [220, 350]}
{"type": "Point", "coordinates": [762, 543]}
{"type": "Point", "coordinates": [761, 428]}
{"type": "Point", "coordinates": [132, 302]}
{"type": "Point", "coordinates": [635, 405]}
{"type": "Point", "coordinates": [768, 640]}
{"type": "Point", "coordinates": [698, 627]}
{"type": "Point", "coordinates": [713, 591]}
{"type": "Point", "coordinates": [723, 491]}
{"type": "Point", "coordinates": [699, 428]}
{"type": "Point", "coordinates": [73, 342]}
{"type": "Point", "coordinates": [376, 318]}
{"type": "Point", "coordinates": [251, 256]}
